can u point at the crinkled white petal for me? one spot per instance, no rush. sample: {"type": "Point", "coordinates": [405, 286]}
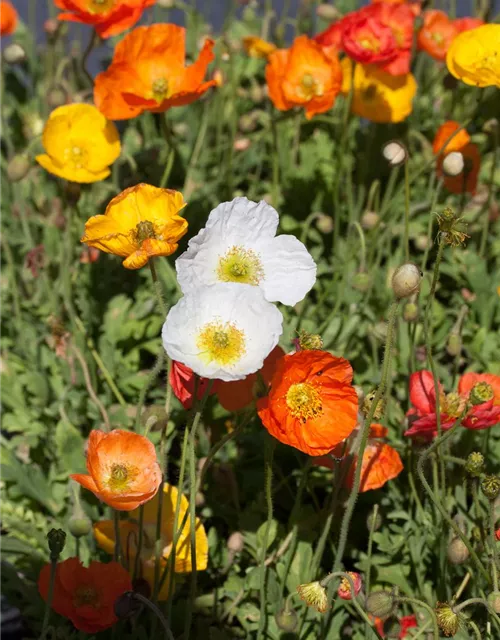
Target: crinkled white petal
{"type": "Point", "coordinates": [241, 305]}
{"type": "Point", "coordinates": [289, 271]}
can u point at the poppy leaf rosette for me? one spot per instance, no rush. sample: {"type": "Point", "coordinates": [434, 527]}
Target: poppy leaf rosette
{"type": "Point", "coordinates": [223, 331]}
{"type": "Point", "coordinates": [312, 404]}
{"type": "Point", "coordinates": [86, 595]}
{"type": "Point", "coordinates": [239, 244]}
{"type": "Point", "coordinates": [104, 534]}
{"type": "Point", "coordinates": [148, 73]}
{"type": "Point", "coordinates": [138, 224]}
{"type": "Point", "coordinates": [8, 18]}
{"type": "Point", "coordinates": [123, 469]}
{"type": "Point", "coordinates": [108, 17]}
{"type": "Point", "coordinates": [473, 56]}
{"type": "Point", "coordinates": [306, 75]}
{"type": "Point", "coordinates": [80, 144]}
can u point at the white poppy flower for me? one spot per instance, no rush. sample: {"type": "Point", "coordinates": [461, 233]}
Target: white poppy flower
{"type": "Point", "coordinates": [239, 244]}
{"type": "Point", "coordinates": [223, 331]}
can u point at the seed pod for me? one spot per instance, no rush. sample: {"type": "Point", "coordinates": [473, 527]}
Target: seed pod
{"type": "Point", "coordinates": [474, 465]}
{"type": "Point", "coordinates": [380, 603]}
{"type": "Point", "coordinates": [287, 620]}
{"type": "Point", "coordinates": [457, 551]}
{"type": "Point", "coordinates": [490, 486]}
{"type": "Point", "coordinates": [57, 540]}
{"type": "Point", "coordinates": [406, 280]}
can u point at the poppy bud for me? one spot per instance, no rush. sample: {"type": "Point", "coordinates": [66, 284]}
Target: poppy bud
{"type": "Point", "coordinates": [448, 621]}
{"type": "Point", "coordinates": [324, 223]}
{"type": "Point", "coordinates": [287, 620]}
{"type": "Point", "coordinates": [309, 341]}
{"type": "Point", "coordinates": [457, 551]}
{"type": "Point", "coordinates": [248, 122]}
{"type": "Point", "coordinates": [314, 595]}
{"type": "Point", "coordinates": [410, 312]}
{"type": "Point", "coordinates": [490, 126]}
{"type": "Point", "coordinates": [494, 601]}
{"type": "Point", "coordinates": [481, 392]}
{"type": "Point", "coordinates": [474, 464]}
{"type": "Point", "coordinates": [374, 525]}
{"type": "Point", "coordinates": [14, 53]}
{"type": "Point", "coordinates": [154, 417]}
{"type": "Point", "coordinates": [79, 525]}
{"type": "Point", "coordinates": [395, 153]}
{"type": "Point", "coordinates": [242, 144]}
{"type": "Point", "coordinates": [126, 606]}
{"type": "Point", "coordinates": [362, 281]}
{"type": "Point", "coordinates": [369, 220]}
{"type": "Point", "coordinates": [235, 542]}
{"type": "Point", "coordinates": [18, 167]}
{"type": "Point", "coordinates": [56, 97]}
{"type": "Point", "coordinates": [380, 603]}
{"type": "Point", "coordinates": [32, 125]}
{"type": "Point", "coordinates": [200, 499]}
{"type": "Point", "coordinates": [453, 164]}
{"type": "Point", "coordinates": [490, 486]}
{"type": "Point", "coordinates": [51, 26]}
{"type": "Point", "coordinates": [344, 591]}
{"type": "Point", "coordinates": [454, 346]}
{"type": "Point", "coordinates": [476, 534]}
{"type": "Point", "coordinates": [406, 280]}
{"type": "Point", "coordinates": [57, 540]}
{"type": "Point", "coordinates": [421, 242]}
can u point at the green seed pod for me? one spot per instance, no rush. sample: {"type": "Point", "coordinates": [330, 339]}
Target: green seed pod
{"type": "Point", "coordinates": [57, 540]}
{"type": "Point", "coordinates": [474, 464]}
{"type": "Point", "coordinates": [380, 604]}
{"type": "Point", "coordinates": [287, 620]}
{"type": "Point", "coordinates": [490, 486]}
{"type": "Point", "coordinates": [481, 392]}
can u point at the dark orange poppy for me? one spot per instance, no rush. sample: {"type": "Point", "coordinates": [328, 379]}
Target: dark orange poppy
{"type": "Point", "coordinates": [108, 17]}
{"type": "Point", "coordinates": [86, 595]}
{"type": "Point", "coordinates": [312, 405]}
{"type": "Point", "coordinates": [436, 34]}
{"type": "Point", "coordinates": [306, 75]}
{"type": "Point", "coordinates": [381, 462]}
{"type": "Point", "coordinates": [8, 18]}
{"type": "Point", "coordinates": [148, 73]}
{"type": "Point", "coordinates": [123, 470]}
{"type": "Point", "coordinates": [466, 24]}
{"type": "Point", "coordinates": [455, 144]}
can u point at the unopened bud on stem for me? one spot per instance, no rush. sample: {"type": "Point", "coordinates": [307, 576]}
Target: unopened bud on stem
{"type": "Point", "coordinates": [406, 280]}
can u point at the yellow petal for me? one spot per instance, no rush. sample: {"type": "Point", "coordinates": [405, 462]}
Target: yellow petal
{"type": "Point", "coordinates": [102, 232]}
{"type": "Point", "coordinates": [68, 172]}
{"type": "Point", "coordinates": [136, 260]}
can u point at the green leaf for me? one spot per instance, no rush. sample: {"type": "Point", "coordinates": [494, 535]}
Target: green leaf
{"type": "Point", "coordinates": [69, 447]}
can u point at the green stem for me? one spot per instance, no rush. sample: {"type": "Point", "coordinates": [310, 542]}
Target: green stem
{"type": "Point", "coordinates": [116, 525]}
{"type": "Point", "coordinates": [370, 545]}
{"type": "Point", "coordinates": [491, 194]}
{"type": "Point", "coordinates": [94, 39]}
{"type": "Point", "coordinates": [275, 161]}
{"type": "Point", "coordinates": [139, 542]}
{"type": "Point", "coordinates": [474, 628]}
{"type": "Point", "coordinates": [493, 545]}
{"type": "Point", "coordinates": [429, 609]}
{"type": "Point", "coordinates": [48, 604]}
{"type": "Point", "coordinates": [268, 480]}
{"type": "Point", "coordinates": [159, 616]}
{"type": "Point", "coordinates": [407, 211]}
{"type": "Point", "coordinates": [485, 603]}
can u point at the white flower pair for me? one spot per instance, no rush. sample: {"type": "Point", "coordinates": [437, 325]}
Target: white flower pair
{"type": "Point", "coordinates": [233, 270]}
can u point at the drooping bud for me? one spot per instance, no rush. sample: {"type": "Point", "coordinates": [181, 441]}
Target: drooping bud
{"type": "Point", "coordinates": [314, 595]}
{"type": "Point", "coordinates": [369, 220]}
{"type": "Point", "coordinates": [454, 344]}
{"type": "Point", "coordinates": [490, 486]}
{"type": "Point", "coordinates": [380, 603]}
{"type": "Point", "coordinates": [344, 591]}
{"type": "Point", "coordinates": [453, 164]}
{"type": "Point", "coordinates": [406, 280]}
{"type": "Point", "coordinates": [494, 601]}
{"type": "Point", "coordinates": [421, 242]}
{"type": "Point", "coordinates": [18, 167]}
{"type": "Point", "coordinates": [457, 551]}
{"type": "Point", "coordinates": [362, 281]}
{"type": "Point", "coordinates": [154, 417]}
{"type": "Point", "coordinates": [395, 153]}
{"type": "Point", "coordinates": [448, 621]}
{"type": "Point", "coordinates": [126, 606]}
{"type": "Point", "coordinates": [324, 223]}
{"type": "Point", "coordinates": [307, 341]}
{"type": "Point", "coordinates": [14, 53]}
{"type": "Point", "coordinates": [410, 312]}
{"type": "Point", "coordinates": [367, 403]}
{"type": "Point", "coordinates": [481, 392]}
{"type": "Point", "coordinates": [79, 525]}
{"type": "Point", "coordinates": [166, 4]}
{"type": "Point", "coordinates": [490, 126]}
{"type": "Point", "coordinates": [287, 620]}
{"type": "Point", "coordinates": [142, 586]}
{"type": "Point", "coordinates": [57, 540]}
{"type": "Point", "coordinates": [474, 464]}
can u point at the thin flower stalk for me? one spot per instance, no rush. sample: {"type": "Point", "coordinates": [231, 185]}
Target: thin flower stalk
{"type": "Point", "coordinates": [429, 609]}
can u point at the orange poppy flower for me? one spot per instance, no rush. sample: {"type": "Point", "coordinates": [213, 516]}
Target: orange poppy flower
{"type": "Point", "coordinates": [8, 19]}
{"type": "Point", "coordinates": [465, 182]}
{"type": "Point", "coordinates": [148, 73]}
{"type": "Point", "coordinates": [466, 24]}
{"type": "Point", "coordinates": [457, 143]}
{"type": "Point", "coordinates": [138, 224]}
{"type": "Point", "coordinates": [86, 595]}
{"type": "Point", "coordinates": [306, 75]}
{"type": "Point", "coordinates": [108, 17]}
{"type": "Point", "coordinates": [436, 34]}
{"type": "Point", "coordinates": [312, 405]}
{"type": "Point", "coordinates": [400, 19]}
{"type": "Point", "coordinates": [469, 380]}
{"type": "Point", "coordinates": [124, 472]}
{"type": "Point", "coordinates": [257, 47]}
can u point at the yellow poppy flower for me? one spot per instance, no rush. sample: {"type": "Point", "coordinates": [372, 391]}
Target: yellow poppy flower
{"type": "Point", "coordinates": [129, 532]}
{"type": "Point", "coordinates": [474, 56]}
{"type": "Point", "coordinates": [139, 223]}
{"type": "Point", "coordinates": [379, 96]}
{"type": "Point", "coordinates": [257, 47]}
{"type": "Point", "coordinates": [80, 144]}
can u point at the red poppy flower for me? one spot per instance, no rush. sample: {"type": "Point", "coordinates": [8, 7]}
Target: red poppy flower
{"type": "Point", "coordinates": [400, 19]}
{"type": "Point", "coordinates": [366, 39]}
{"type": "Point", "coordinates": [108, 17]}
{"type": "Point", "coordinates": [466, 24]}
{"type": "Point", "coordinates": [405, 623]}
{"type": "Point", "coordinates": [457, 143]}
{"type": "Point", "coordinates": [436, 34]}
{"type": "Point", "coordinates": [182, 380]}
{"type": "Point", "coordinates": [344, 590]}
{"type": "Point", "coordinates": [331, 36]}
{"type": "Point", "coordinates": [8, 18]}
{"type": "Point", "coordinates": [312, 405]}
{"type": "Point", "coordinates": [148, 73]}
{"type": "Point", "coordinates": [86, 595]}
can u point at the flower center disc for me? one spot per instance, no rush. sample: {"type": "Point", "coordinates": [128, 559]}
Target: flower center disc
{"type": "Point", "coordinates": [240, 265]}
{"type": "Point", "coordinates": [120, 477]}
{"type": "Point", "coordinates": [160, 89]}
{"type": "Point", "coordinates": [304, 401]}
{"type": "Point", "coordinates": [222, 343]}
{"type": "Point", "coordinates": [144, 230]}
{"type": "Point", "coordinates": [309, 87]}
{"type": "Point", "coordinates": [100, 6]}
{"type": "Point", "coordinates": [76, 156]}
{"type": "Point", "coordinates": [86, 596]}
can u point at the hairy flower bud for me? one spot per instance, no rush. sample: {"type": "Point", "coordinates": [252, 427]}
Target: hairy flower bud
{"type": "Point", "coordinates": [410, 312]}
{"type": "Point", "coordinates": [406, 280]}
{"type": "Point", "coordinates": [324, 223]}
{"type": "Point", "coordinates": [56, 96]}
{"type": "Point", "coordinates": [481, 392]}
{"type": "Point", "coordinates": [392, 627]}
{"type": "Point", "coordinates": [18, 167]}
{"type": "Point", "coordinates": [474, 465]}
{"type": "Point", "coordinates": [57, 540]}
{"type": "Point", "coordinates": [369, 220]}
{"type": "Point", "coordinates": [457, 551]}
{"type": "Point", "coordinates": [362, 281]}
{"type": "Point", "coordinates": [494, 601]}
{"type": "Point", "coordinates": [380, 603]}
{"type": "Point", "coordinates": [453, 164]}
{"type": "Point", "coordinates": [448, 621]}
{"type": "Point", "coordinates": [344, 591]}
{"type": "Point", "coordinates": [287, 620]}
{"type": "Point", "coordinates": [307, 341]}
{"type": "Point", "coordinates": [79, 525]}
{"type": "Point", "coordinates": [235, 542]}
{"type": "Point", "coordinates": [395, 153]}
{"type": "Point", "coordinates": [490, 486]}
{"type": "Point", "coordinates": [327, 12]}
{"type": "Point", "coordinates": [314, 595]}
{"type": "Point", "coordinates": [454, 345]}
{"type": "Point", "coordinates": [14, 53]}
{"type": "Point", "coordinates": [154, 417]}
{"type": "Point", "coordinates": [127, 606]}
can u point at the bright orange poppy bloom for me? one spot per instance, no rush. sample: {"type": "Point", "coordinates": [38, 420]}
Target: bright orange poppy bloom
{"type": "Point", "coordinates": [108, 17]}
{"type": "Point", "coordinates": [312, 405]}
{"type": "Point", "coordinates": [466, 24]}
{"type": "Point", "coordinates": [138, 224]}
{"type": "Point", "coordinates": [436, 34]}
{"type": "Point", "coordinates": [148, 73]}
{"type": "Point", "coordinates": [469, 380]}
{"type": "Point", "coordinates": [86, 595]}
{"type": "Point", "coordinates": [8, 19]}
{"type": "Point", "coordinates": [306, 75]}
{"type": "Point", "coordinates": [257, 47]}
{"type": "Point", "coordinates": [124, 472]}
{"type": "Point", "coordinates": [455, 144]}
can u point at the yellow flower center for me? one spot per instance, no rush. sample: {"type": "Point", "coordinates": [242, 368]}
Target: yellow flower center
{"type": "Point", "coordinates": [144, 230]}
{"type": "Point", "coordinates": [86, 596]}
{"type": "Point", "coordinates": [120, 477]}
{"type": "Point", "coordinates": [100, 6]}
{"type": "Point", "coordinates": [370, 43]}
{"type": "Point", "coordinates": [160, 89]}
{"type": "Point", "coordinates": [309, 87]}
{"type": "Point", "coordinates": [437, 37]}
{"type": "Point", "coordinates": [76, 156]}
{"type": "Point", "coordinates": [453, 404]}
{"type": "Point", "coordinates": [304, 401]}
{"type": "Point", "coordinates": [222, 343]}
{"type": "Point", "coordinates": [240, 265]}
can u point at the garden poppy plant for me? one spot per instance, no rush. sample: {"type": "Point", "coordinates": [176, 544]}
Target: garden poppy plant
{"type": "Point", "coordinates": [108, 17]}
{"type": "Point", "coordinates": [138, 224]}
{"type": "Point", "coordinates": [129, 529]}
{"type": "Point", "coordinates": [8, 19]}
{"type": "Point", "coordinates": [86, 595]}
{"type": "Point", "coordinates": [123, 470]}
{"type": "Point", "coordinates": [311, 405]}
{"type": "Point", "coordinates": [473, 56]}
{"type": "Point", "coordinates": [80, 144]}
{"type": "Point", "coordinates": [306, 75]}
{"type": "Point", "coordinates": [148, 73]}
